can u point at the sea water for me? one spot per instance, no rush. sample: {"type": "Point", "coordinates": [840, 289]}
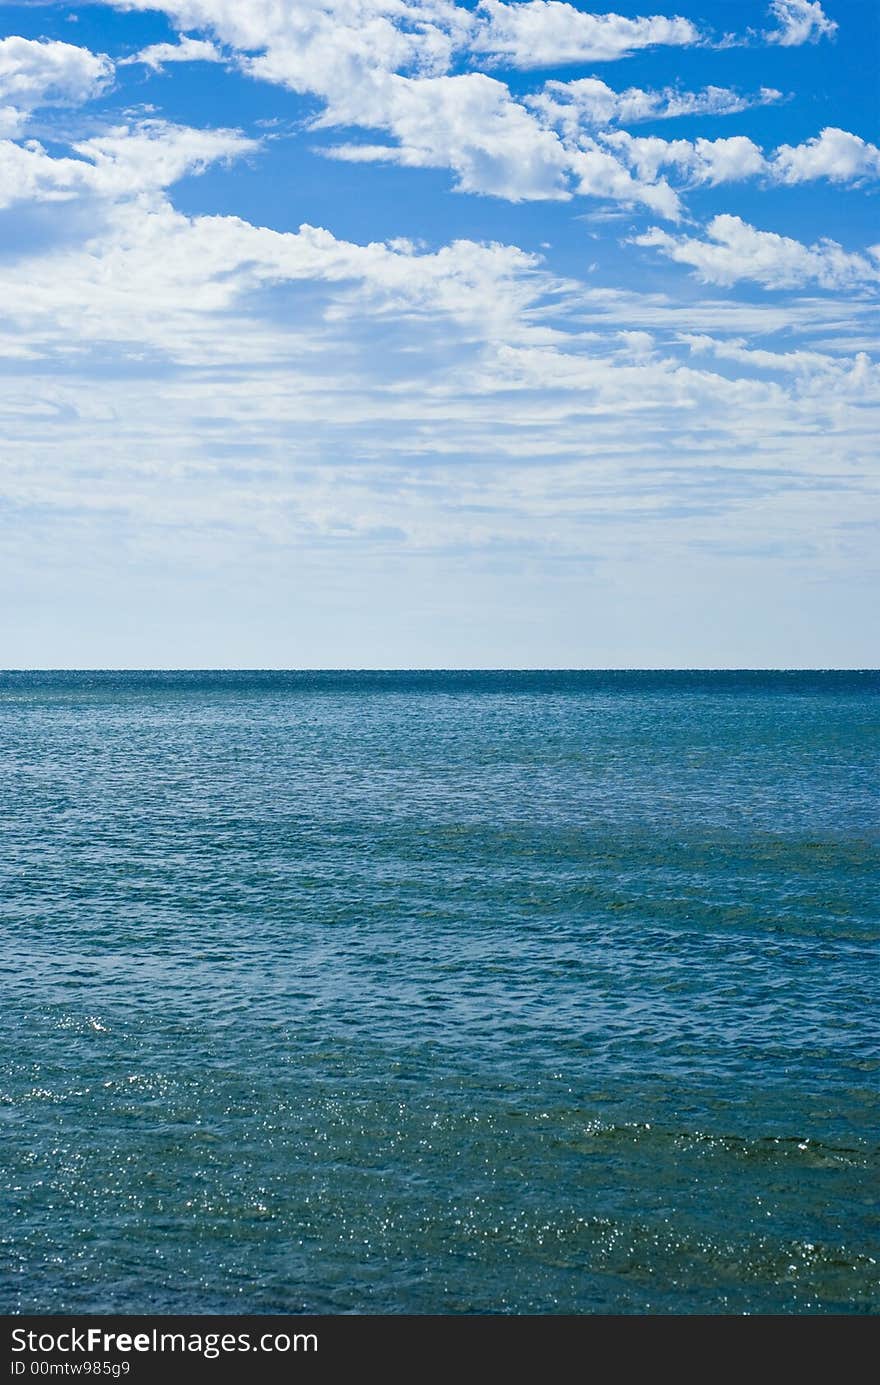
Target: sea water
{"type": "Point", "coordinates": [439, 992]}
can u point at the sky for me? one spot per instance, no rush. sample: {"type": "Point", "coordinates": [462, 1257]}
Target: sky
{"type": "Point", "coordinates": [407, 333]}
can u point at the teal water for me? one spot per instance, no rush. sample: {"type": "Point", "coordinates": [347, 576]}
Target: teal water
{"type": "Point", "coordinates": [444, 993]}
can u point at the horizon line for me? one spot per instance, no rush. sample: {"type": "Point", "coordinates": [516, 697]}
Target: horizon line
{"type": "Point", "coordinates": [445, 668]}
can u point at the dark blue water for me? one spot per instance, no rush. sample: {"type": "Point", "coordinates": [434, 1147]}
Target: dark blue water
{"type": "Point", "coordinates": [441, 993]}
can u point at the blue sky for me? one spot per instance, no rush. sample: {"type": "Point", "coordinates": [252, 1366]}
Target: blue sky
{"type": "Point", "coordinates": [404, 333]}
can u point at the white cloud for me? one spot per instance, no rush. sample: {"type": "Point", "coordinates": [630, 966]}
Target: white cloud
{"type": "Point", "coordinates": [467, 123]}
{"type": "Point", "coordinates": [318, 45]}
{"type": "Point", "coordinates": [11, 122]}
{"type": "Point", "coordinates": [36, 73]}
{"type": "Point", "coordinates": [213, 392]}
{"type": "Point", "coordinates": [387, 34]}
{"type": "Point", "coordinates": [701, 161]}
{"type": "Point", "coordinates": [735, 250]}
{"type": "Point", "coordinates": [547, 33]}
{"type": "Point", "coordinates": [123, 162]}
{"type": "Point", "coordinates": [383, 65]}
{"type": "Point", "coordinates": [592, 102]}
{"type": "Point", "coordinates": [155, 154]}
{"type": "Point", "coordinates": [262, 406]}
{"type": "Point", "coordinates": [834, 154]}
{"type": "Point", "coordinates": [472, 125]}
{"type": "Point", "coordinates": [845, 371]}
{"type": "Point", "coordinates": [186, 50]}
{"type": "Point", "coordinates": [800, 21]}
{"type": "Point", "coordinates": [151, 274]}
{"type": "Point", "coordinates": [802, 316]}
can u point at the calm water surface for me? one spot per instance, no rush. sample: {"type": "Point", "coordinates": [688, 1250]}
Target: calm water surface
{"type": "Point", "coordinates": [443, 993]}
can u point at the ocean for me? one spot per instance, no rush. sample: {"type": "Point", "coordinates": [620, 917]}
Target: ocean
{"type": "Point", "coordinates": [522, 993]}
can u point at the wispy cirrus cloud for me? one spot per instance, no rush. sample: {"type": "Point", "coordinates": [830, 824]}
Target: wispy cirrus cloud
{"type": "Point", "coordinates": [122, 162]}
{"type": "Point", "coordinates": [590, 102]}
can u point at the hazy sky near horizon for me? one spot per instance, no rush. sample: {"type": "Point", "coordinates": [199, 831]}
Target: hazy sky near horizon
{"type": "Point", "coordinates": [388, 333]}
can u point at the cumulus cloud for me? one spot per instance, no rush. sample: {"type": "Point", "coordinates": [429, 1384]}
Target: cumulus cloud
{"type": "Point", "coordinates": [186, 50]}
{"type": "Point", "coordinates": [470, 123]}
{"type": "Point", "coordinates": [735, 250]}
{"type": "Point", "coordinates": [384, 65]}
{"type": "Point", "coordinates": [36, 73]}
{"type": "Point", "coordinates": [547, 33]}
{"type": "Point", "coordinates": [700, 161]}
{"type": "Point", "coordinates": [834, 154]}
{"type": "Point", "coordinates": [388, 33]}
{"type": "Point", "coordinates": [321, 45]}
{"type": "Point", "coordinates": [799, 21]}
